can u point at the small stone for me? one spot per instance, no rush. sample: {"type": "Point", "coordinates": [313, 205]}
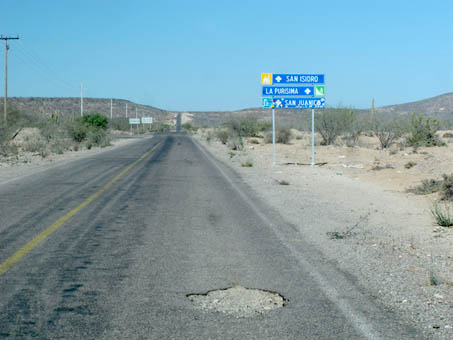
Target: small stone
{"type": "Point", "coordinates": [438, 296]}
{"type": "Point", "coordinates": [448, 326]}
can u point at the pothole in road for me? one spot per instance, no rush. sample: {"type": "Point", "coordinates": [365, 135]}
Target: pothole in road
{"type": "Point", "coordinates": [238, 301]}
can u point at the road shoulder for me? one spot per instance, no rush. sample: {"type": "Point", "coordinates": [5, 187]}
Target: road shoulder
{"type": "Point", "coordinates": [385, 239]}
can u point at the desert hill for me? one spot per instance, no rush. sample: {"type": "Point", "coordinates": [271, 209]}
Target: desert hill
{"type": "Point", "coordinates": [439, 106]}
{"type": "Point", "coordinates": [45, 107]}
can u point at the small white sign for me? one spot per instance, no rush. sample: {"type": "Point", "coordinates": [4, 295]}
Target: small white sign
{"type": "Point", "coordinates": [147, 120]}
{"type": "Point", "coordinates": [134, 121]}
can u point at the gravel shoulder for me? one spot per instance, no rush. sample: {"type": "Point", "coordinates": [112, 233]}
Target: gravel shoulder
{"type": "Point", "coordinates": [362, 220]}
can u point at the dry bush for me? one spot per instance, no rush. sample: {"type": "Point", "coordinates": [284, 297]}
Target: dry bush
{"type": "Point", "coordinates": [387, 131]}
{"type": "Point", "coordinates": [428, 186]}
{"type": "Point", "coordinates": [223, 135]}
{"type": "Point", "coordinates": [282, 135]}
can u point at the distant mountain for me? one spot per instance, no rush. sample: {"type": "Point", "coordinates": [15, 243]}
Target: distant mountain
{"type": "Point", "coordinates": [45, 107]}
{"type": "Point", "coordinates": [439, 106]}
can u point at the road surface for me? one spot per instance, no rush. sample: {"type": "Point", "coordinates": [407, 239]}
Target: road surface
{"type": "Point", "coordinates": [108, 247]}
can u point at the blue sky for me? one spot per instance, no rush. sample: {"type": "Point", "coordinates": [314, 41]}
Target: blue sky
{"type": "Point", "coordinates": [209, 54]}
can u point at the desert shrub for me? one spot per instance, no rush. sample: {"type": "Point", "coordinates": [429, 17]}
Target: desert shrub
{"type": "Point", "coordinates": [120, 124]}
{"type": "Point", "coordinates": [94, 121]}
{"type": "Point", "coordinates": [4, 140]}
{"type": "Point", "coordinates": [380, 167]}
{"type": "Point", "coordinates": [49, 128]}
{"type": "Point", "coordinates": [409, 165]}
{"type": "Point", "coordinates": [59, 146]}
{"type": "Point", "coordinates": [428, 186]}
{"type": "Point", "coordinates": [446, 187]}
{"type": "Point", "coordinates": [92, 126]}
{"type": "Point", "coordinates": [17, 119]}
{"type": "Point", "coordinates": [268, 137]}
{"type": "Point", "coordinates": [422, 132]}
{"type": "Point", "coordinates": [223, 135]}
{"type": "Point", "coordinates": [283, 135]}
{"type": "Point", "coordinates": [387, 131]}
{"type": "Point", "coordinates": [76, 130]}
{"type": "Point", "coordinates": [354, 127]}
{"type": "Point", "coordinates": [331, 123]}
{"type": "Point", "coordinates": [447, 135]}
{"type": "Point", "coordinates": [34, 144]}
{"type": "Point", "coordinates": [442, 215]}
{"type": "Point", "coordinates": [235, 143]}
{"type": "Point", "coordinates": [98, 138]}
{"type": "Point", "coordinates": [254, 141]}
{"type": "Point", "coordinates": [160, 127]}
{"type": "Point", "coordinates": [245, 126]}
{"type": "Point", "coordinates": [189, 127]}
{"type": "Point", "coordinates": [247, 164]}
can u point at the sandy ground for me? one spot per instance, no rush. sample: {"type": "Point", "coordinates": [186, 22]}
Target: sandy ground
{"type": "Point", "coordinates": [391, 243]}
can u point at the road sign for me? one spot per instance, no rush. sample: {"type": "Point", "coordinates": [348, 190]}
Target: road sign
{"type": "Point", "coordinates": [299, 103]}
{"type": "Point", "coordinates": [320, 91]}
{"type": "Point", "coordinates": [267, 103]}
{"type": "Point", "coordinates": [134, 121]}
{"type": "Point", "coordinates": [147, 120]}
{"type": "Point", "coordinates": [297, 79]}
{"type": "Point", "coordinates": [266, 78]}
{"type": "Point", "coordinates": [288, 91]}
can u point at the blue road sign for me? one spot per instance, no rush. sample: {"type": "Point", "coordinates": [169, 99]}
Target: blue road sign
{"type": "Point", "coordinates": [267, 103]}
{"type": "Point", "coordinates": [299, 103]}
{"type": "Point", "coordinates": [297, 79]}
{"type": "Point", "coordinates": [299, 91]}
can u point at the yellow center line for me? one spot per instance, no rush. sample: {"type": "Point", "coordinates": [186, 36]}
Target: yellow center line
{"type": "Point", "coordinates": [18, 255]}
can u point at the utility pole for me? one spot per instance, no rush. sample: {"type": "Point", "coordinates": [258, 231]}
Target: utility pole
{"type": "Point", "coordinates": [5, 104]}
{"type": "Point", "coordinates": [81, 99]}
{"type": "Point", "coordinates": [111, 109]}
{"type": "Point", "coordinates": [136, 116]}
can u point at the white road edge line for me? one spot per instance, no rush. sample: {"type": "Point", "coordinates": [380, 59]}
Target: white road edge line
{"type": "Point", "coordinates": [359, 321]}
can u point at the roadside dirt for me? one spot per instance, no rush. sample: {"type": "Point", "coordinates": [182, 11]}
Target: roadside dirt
{"type": "Point", "coordinates": [26, 163]}
{"type": "Point", "coordinates": [362, 217]}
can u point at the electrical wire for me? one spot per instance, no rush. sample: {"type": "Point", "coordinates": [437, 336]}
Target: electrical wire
{"type": "Point", "coordinates": [29, 53]}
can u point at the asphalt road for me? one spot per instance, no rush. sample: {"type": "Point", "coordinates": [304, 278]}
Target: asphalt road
{"type": "Point", "coordinates": [108, 247]}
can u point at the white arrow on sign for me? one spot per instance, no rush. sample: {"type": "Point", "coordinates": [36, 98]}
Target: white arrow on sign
{"type": "Point", "coordinates": [307, 91]}
{"type": "Point", "coordinates": [279, 103]}
{"type": "Point", "coordinates": [278, 79]}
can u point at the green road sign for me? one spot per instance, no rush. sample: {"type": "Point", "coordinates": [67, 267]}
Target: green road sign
{"type": "Point", "coordinates": [319, 91]}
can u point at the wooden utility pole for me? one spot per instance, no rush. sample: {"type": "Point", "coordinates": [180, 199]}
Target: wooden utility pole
{"type": "Point", "coordinates": [5, 104]}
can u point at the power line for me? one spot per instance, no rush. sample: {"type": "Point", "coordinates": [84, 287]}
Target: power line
{"type": "Point", "coordinates": [40, 71]}
{"type": "Point", "coordinates": [37, 60]}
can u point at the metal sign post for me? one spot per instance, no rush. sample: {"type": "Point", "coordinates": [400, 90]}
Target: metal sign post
{"type": "Point", "coordinates": [273, 137]}
{"type": "Point", "coordinates": [312, 137]}
{"type": "Point", "coordinates": [299, 91]}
